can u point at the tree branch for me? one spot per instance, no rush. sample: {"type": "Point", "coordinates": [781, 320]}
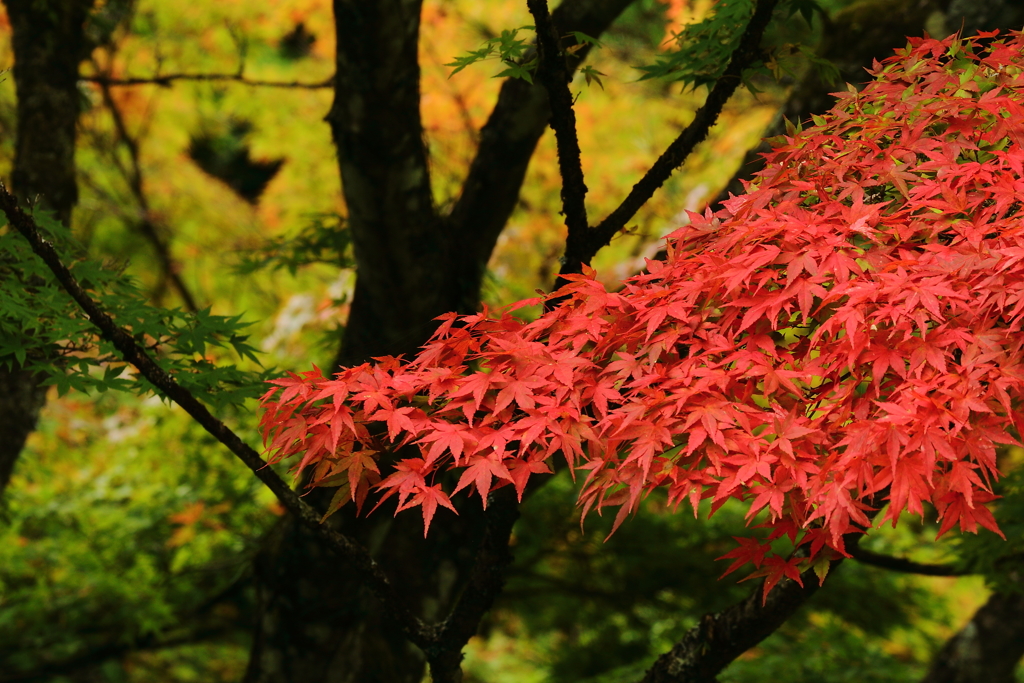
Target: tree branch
{"type": "Point", "coordinates": [900, 564]}
{"type": "Point", "coordinates": [368, 568]}
{"type": "Point", "coordinates": [166, 80]}
{"type": "Point", "coordinates": [710, 646]}
{"type": "Point", "coordinates": [107, 651]}
{"type": "Point", "coordinates": [507, 141]}
{"type": "Point", "coordinates": [718, 639]}
{"type": "Point", "coordinates": [676, 153]}
{"type": "Point", "coordinates": [145, 225]}
{"type": "Point", "coordinates": [553, 74]}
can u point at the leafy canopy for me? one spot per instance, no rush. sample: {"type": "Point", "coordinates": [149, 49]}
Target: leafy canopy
{"type": "Point", "coordinates": [844, 335]}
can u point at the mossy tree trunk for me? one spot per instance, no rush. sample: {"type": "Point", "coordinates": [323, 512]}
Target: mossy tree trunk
{"type": "Point", "coordinates": [49, 42]}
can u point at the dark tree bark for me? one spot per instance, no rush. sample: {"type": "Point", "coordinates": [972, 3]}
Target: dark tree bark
{"type": "Point", "coordinates": [720, 638]}
{"type": "Point", "coordinates": [413, 264]}
{"type": "Point", "coordinates": [49, 42]}
{"type": "Point", "coordinates": [988, 649]}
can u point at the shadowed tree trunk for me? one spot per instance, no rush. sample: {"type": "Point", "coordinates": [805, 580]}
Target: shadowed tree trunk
{"type": "Point", "coordinates": [49, 42]}
{"type": "Point", "coordinates": [988, 649]}
{"type": "Point", "coordinates": [413, 264]}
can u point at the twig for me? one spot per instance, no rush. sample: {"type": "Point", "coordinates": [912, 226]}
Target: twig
{"type": "Point", "coordinates": [576, 256]}
{"type": "Point", "coordinates": [370, 571]}
{"type": "Point", "coordinates": [107, 651]}
{"type": "Point", "coordinates": [553, 74]}
{"type": "Point", "coordinates": [165, 81]}
{"type": "Point", "coordinates": [900, 564]}
{"type": "Point", "coordinates": [145, 225]}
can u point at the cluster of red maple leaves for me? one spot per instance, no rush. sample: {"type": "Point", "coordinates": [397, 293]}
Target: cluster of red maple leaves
{"type": "Point", "coordinates": [847, 333]}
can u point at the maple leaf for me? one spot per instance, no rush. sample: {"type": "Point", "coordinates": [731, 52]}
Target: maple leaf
{"type": "Point", "coordinates": [479, 473]}
{"type": "Point", "coordinates": [445, 436]}
{"type": "Point", "coordinates": [776, 568]}
{"type": "Point", "coordinates": [406, 480]}
{"type": "Point", "coordinates": [850, 325]}
{"type": "Point", "coordinates": [428, 498]}
{"type": "Point", "coordinates": [750, 551]}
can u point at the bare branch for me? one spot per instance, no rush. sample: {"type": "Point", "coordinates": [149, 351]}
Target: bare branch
{"type": "Point", "coordinates": [900, 564]}
{"type": "Point", "coordinates": [111, 650]}
{"type": "Point", "coordinates": [676, 153]}
{"type": "Point", "coordinates": [720, 638]}
{"type": "Point", "coordinates": [166, 80]}
{"type": "Point", "coordinates": [145, 225]}
{"type": "Point", "coordinates": [553, 74]}
{"type": "Point", "coordinates": [507, 141]}
{"type": "Point", "coordinates": [370, 572]}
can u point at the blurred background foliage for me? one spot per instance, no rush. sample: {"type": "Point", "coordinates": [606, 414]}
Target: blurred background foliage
{"type": "Point", "coordinates": [127, 534]}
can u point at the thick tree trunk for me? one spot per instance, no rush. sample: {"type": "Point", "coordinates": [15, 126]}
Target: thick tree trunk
{"type": "Point", "coordinates": [49, 42]}
{"type": "Point", "coordinates": [989, 647]}
{"type": "Point", "coordinates": [413, 264]}
{"type": "Point", "coordinates": [317, 624]}
{"type": "Point", "coordinates": [402, 253]}
{"type": "Point", "coordinates": [21, 399]}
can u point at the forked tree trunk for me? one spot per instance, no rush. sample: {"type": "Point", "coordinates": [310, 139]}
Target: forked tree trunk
{"type": "Point", "coordinates": [49, 42]}
{"type": "Point", "coordinates": [316, 624]}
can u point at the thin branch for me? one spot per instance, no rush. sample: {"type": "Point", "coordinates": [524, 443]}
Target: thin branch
{"type": "Point", "coordinates": [369, 570]}
{"type": "Point", "coordinates": [108, 651]}
{"type": "Point", "coordinates": [553, 74]}
{"type": "Point", "coordinates": [166, 80]}
{"type": "Point", "coordinates": [746, 53]}
{"type": "Point", "coordinates": [490, 192]}
{"type": "Point", "coordinates": [145, 225]}
{"type": "Point", "coordinates": [900, 564]}
{"type": "Point", "coordinates": [720, 638]}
